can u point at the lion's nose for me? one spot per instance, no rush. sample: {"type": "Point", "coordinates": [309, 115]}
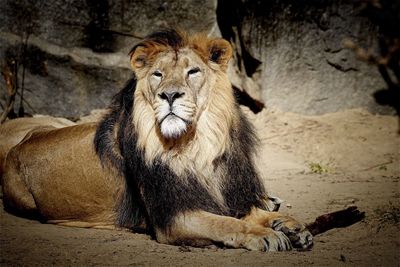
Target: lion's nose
{"type": "Point", "coordinates": [171, 96]}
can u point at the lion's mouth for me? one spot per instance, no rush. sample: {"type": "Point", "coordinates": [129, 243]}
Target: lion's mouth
{"type": "Point", "coordinates": [173, 126]}
{"type": "Point", "coordinates": [173, 115]}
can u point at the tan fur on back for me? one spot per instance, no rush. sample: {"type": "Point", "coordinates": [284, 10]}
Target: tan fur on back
{"type": "Point", "coordinates": [13, 131]}
{"type": "Point", "coordinates": [56, 172]}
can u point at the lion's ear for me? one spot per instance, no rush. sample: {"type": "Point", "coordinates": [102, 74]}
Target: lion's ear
{"type": "Point", "coordinates": [220, 52]}
{"type": "Point", "coordinates": [139, 56]}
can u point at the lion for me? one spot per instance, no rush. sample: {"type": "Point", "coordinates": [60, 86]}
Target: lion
{"type": "Point", "coordinates": [174, 153]}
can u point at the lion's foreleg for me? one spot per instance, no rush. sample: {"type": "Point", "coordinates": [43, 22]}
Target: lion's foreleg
{"type": "Point", "coordinates": [298, 234]}
{"type": "Point", "coordinates": [200, 227]}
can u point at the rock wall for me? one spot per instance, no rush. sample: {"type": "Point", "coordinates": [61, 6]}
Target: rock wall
{"type": "Point", "coordinates": [76, 56]}
{"type": "Point", "coordinates": [288, 54]}
{"type": "Point", "coordinates": [293, 53]}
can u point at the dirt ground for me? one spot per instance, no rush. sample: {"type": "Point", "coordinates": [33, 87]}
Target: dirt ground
{"type": "Point", "coordinates": [316, 164]}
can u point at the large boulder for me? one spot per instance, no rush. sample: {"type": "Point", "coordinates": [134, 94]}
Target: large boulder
{"type": "Point", "coordinates": [293, 53]}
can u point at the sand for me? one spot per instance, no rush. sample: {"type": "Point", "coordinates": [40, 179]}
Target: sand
{"type": "Point", "coordinates": [317, 164]}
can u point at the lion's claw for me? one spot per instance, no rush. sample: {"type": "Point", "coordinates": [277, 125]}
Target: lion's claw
{"type": "Point", "coordinates": [299, 236]}
{"type": "Point", "coordinates": [269, 241]}
{"type": "Point", "coordinates": [302, 240]}
{"type": "Point", "coordinates": [280, 242]}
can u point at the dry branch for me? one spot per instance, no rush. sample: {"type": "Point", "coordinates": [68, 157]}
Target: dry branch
{"type": "Point", "coordinates": [11, 92]}
{"type": "Point", "coordinates": [337, 219]}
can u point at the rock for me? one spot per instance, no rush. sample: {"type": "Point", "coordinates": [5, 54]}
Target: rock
{"type": "Point", "coordinates": [66, 82]}
{"type": "Point", "coordinates": [288, 54]}
{"type": "Point", "coordinates": [103, 25]}
{"type": "Point", "coordinates": [77, 53]}
{"type": "Point", "coordinates": [294, 54]}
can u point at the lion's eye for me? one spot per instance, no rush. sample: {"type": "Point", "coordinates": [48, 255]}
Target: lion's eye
{"type": "Point", "coordinates": [157, 74]}
{"type": "Point", "coordinates": [193, 71]}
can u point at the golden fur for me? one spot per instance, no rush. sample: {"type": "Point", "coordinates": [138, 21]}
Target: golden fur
{"type": "Point", "coordinates": [13, 131]}
{"type": "Point", "coordinates": [61, 180]}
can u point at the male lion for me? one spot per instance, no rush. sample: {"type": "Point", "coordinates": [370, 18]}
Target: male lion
{"type": "Point", "coordinates": [176, 150]}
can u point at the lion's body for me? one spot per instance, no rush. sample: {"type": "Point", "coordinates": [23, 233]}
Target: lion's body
{"type": "Point", "coordinates": [13, 131]}
{"type": "Point", "coordinates": [54, 175]}
{"type": "Point", "coordinates": [176, 150]}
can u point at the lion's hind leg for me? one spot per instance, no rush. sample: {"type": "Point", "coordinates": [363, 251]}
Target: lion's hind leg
{"type": "Point", "coordinates": [298, 234]}
{"type": "Point", "coordinates": [17, 198]}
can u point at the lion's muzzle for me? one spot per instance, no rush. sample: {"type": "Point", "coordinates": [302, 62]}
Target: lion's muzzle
{"type": "Point", "coordinates": [173, 114]}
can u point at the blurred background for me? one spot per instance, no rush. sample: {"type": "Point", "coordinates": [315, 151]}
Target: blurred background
{"type": "Point", "coordinates": [68, 57]}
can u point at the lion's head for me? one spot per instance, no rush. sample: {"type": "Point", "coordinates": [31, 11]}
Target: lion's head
{"type": "Point", "coordinates": [178, 78]}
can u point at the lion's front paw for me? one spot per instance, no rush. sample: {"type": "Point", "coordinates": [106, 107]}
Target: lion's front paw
{"type": "Point", "coordinates": [302, 240]}
{"type": "Point", "coordinates": [270, 241]}
{"type": "Point", "coordinates": [299, 236]}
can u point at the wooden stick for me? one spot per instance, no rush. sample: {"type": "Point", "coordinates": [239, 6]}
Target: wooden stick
{"type": "Point", "coordinates": [11, 92]}
{"type": "Point", "coordinates": [337, 219]}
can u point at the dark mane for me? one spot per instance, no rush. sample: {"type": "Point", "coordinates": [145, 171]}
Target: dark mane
{"type": "Point", "coordinates": [155, 192]}
{"type": "Point", "coordinates": [130, 207]}
{"type": "Point", "coordinates": [168, 37]}
{"type": "Point", "coordinates": [104, 141]}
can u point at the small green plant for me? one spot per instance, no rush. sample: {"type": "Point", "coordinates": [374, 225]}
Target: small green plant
{"type": "Point", "coordinates": [318, 168]}
{"type": "Point", "coordinates": [383, 168]}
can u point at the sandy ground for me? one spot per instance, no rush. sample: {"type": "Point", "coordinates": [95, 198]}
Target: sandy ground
{"type": "Point", "coordinates": [316, 164]}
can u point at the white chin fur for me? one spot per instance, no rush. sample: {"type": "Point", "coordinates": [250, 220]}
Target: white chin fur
{"type": "Point", "coordinates": [173, 127]}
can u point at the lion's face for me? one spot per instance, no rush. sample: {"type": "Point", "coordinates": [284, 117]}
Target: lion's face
{"type": "Point", "coordinates": [176, 81]}
{"type": "Point", "coordinates": [178, 86]}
